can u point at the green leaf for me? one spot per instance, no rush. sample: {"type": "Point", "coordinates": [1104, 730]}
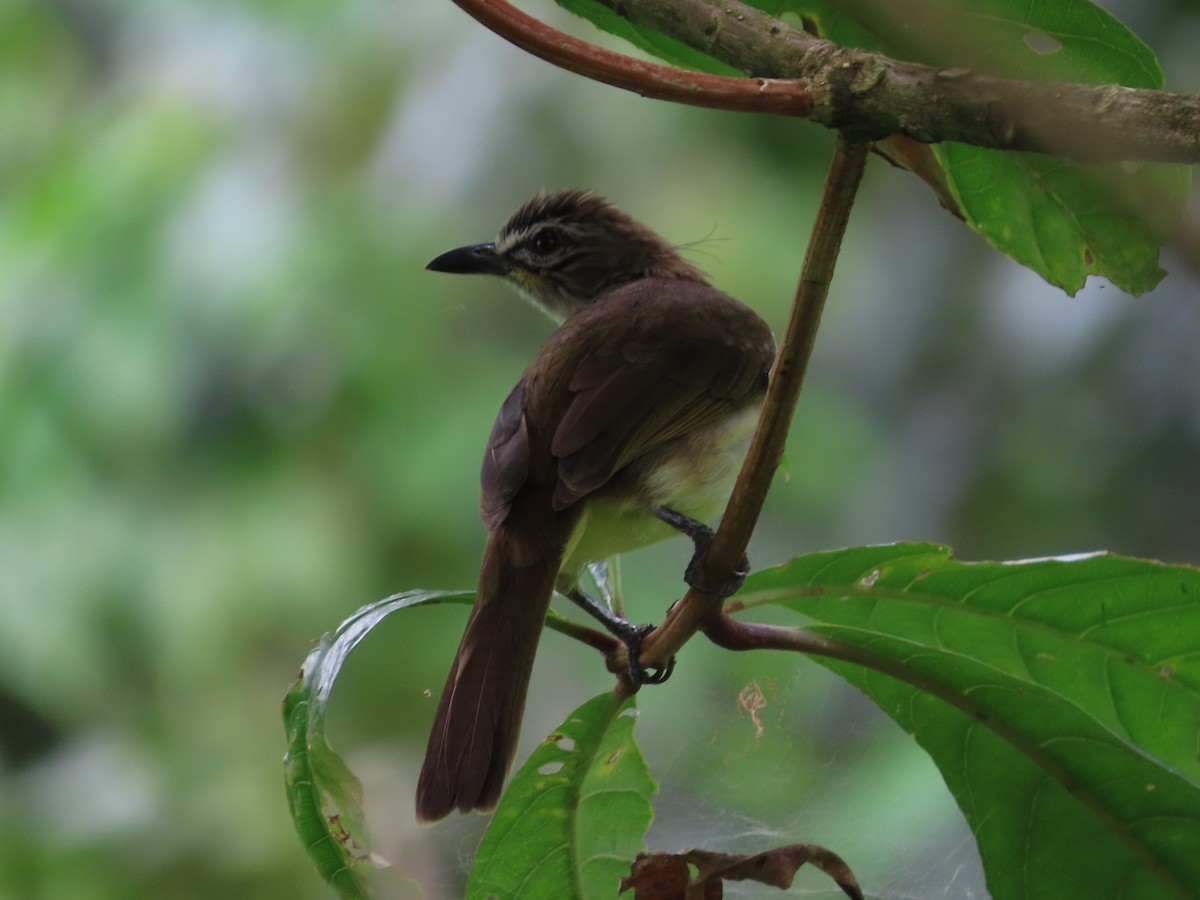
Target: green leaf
{"type": "Point", "coordinates": [1070, 40]}
{"type": "Point", "coordinates": [575, 815]}
{"type": "Point", "coordinates": [1063, 220]}
{"type": "Point", "coordinates": [324, 796]}
{"type": "Point", "coordinates": [1060, 699]}
{"type": "Point", "coordinates": [1066, 221]}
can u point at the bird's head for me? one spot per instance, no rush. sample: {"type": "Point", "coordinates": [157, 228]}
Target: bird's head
{"type": "Point", "coordinates": [564, 249]}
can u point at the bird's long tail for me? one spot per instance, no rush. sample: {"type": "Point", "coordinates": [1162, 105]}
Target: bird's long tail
{"type": "Point", "coordinates": [478, 720]}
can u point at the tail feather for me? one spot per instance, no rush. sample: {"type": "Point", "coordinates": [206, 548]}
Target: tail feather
{"type": "Point", "coordinates": [478, 721]}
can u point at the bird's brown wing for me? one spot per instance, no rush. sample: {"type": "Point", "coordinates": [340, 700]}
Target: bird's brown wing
{"type": "Point", "coordinates": [686, 356]}
{"type": "Point", "coordinates": [614, 421]}
{"type": "Point", "coordinates": [506, 459]}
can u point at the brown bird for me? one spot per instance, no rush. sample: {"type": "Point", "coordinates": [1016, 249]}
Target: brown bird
{"type": "Point", "coordinates": [629, 425]}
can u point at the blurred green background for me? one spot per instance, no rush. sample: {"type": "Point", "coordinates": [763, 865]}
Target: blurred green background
{"type": "Point", "coordinates": [234, 408]}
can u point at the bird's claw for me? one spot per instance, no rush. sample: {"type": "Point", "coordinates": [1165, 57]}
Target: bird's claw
{"type": "Point", "coordinates": [639, 674]}
{"type": "Point", "coordinates": [702, 538]}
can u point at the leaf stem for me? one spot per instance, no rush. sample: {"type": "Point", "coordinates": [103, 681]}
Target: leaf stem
{"type": "Point", "coordinates": [601, 641]}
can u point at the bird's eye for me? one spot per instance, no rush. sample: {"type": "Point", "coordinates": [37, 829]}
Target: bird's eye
{"type": "Point", "coordinates": [546, 242]}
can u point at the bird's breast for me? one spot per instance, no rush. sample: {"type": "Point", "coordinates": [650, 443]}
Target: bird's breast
{"type": "Point", "coordinates": [692, 475]}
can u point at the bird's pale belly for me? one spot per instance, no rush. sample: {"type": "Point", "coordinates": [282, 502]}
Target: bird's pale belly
{"type": "Point", "coordinates": [693, 476]}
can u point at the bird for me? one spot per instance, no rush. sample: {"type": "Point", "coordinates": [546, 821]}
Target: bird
{"type": "Point", "coordinates": [628, 426]}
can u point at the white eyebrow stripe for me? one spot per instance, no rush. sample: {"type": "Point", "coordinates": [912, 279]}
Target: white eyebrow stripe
{"type": "Point", "coordinates": [506, 240]}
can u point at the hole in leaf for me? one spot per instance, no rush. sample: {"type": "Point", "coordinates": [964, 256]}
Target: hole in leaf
{"type": "Point", "coordinates": [631, 713]}
{"type": "Point", "coordinates": [564, 742]}
{"type": "Point", "coordinates": [550, 768]}
{"type": "Point", "coordinates": [870, 578]}
{"type": "Point", "coordinates": [1041, 43]}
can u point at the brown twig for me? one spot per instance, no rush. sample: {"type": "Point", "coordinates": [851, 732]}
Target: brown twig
{"type": "Point", "coordinates": [601, 641]}
{"type": "Point", "coordinates": [784, 97]}
{"type": "Point", "coordinates": [699, 611]}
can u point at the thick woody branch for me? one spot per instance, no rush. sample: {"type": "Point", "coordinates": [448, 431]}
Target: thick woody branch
{"type": "Point", "coordinates": [866, 95]}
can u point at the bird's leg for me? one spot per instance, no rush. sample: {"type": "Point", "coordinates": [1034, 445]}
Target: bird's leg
{"type": "Point", "coordinates": [702, 537]}
{"type": "Point", "coordinates": [627, 633]}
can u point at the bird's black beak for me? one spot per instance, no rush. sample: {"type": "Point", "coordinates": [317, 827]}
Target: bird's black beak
{"type": "Point", "coordinates": [477, 259]}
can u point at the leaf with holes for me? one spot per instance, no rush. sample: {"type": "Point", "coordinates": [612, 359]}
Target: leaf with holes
{"type": "Point", "coordinates": [1059, 698]}
{"type": "Point", "coordinates": [324, 796]}
{"type": "Point", "coordinates": [574, 817]}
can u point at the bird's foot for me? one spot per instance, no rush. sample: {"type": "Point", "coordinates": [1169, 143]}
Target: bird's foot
{"type": "Point", "coordinates": [628, 634]}
{"type": "Point", "coordinates": [632, 638]}
{"type": "Point", "coordinates": [702, 538]}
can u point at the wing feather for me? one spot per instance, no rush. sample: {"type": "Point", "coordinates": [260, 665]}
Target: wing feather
{"type": "Point", "coordinates": [603, 397]}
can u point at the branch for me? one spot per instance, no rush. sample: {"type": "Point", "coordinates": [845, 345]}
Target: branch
{"type": "Point", "coordinates": [701, 611]}
{"type": "Point", "coordinates": [764, 95]}
{"type": "Point", "coordinates": [865, 95]}
{"type": "Point", "coordinates": [605, 643]}
{"type": "Point", "coordinates": [868, 96]}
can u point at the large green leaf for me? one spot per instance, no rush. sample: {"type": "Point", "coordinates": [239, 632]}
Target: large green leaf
{"type": "Point", "coordinates": [574, 817]}
{"type": "Point", "coordinates": [1060, 699]}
